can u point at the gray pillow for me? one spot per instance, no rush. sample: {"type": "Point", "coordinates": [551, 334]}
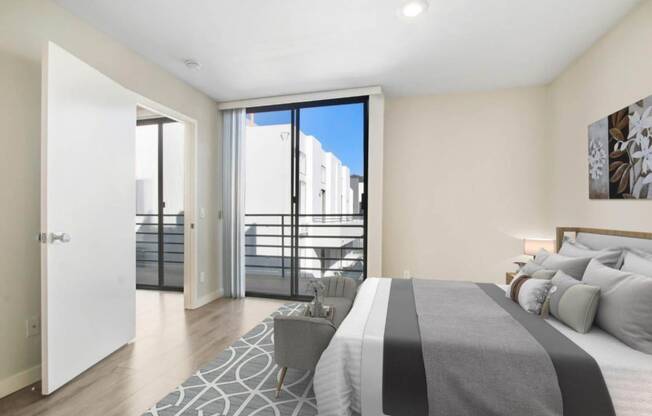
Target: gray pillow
{"type": "Point", "coordinates": [532, 269]}
{"type": "Point", "coordinates": [625, 309]}
{"type": "Point", "coordinates": [573, 266]}
{"type": "Point", "coordinates": [637, 261]}
{"type": "Point", "coordinates": [541, 256]}
{"type": "Point", "coordinates": [573, 302]}
{"type": "Point", "coordinates": [608, 257]}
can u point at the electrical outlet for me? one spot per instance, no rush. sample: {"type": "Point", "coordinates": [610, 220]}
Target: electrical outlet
{"type": "Point", "coordinates": [202, 277]}
{"type": "Point", "coordinates": [406, 274]}
{"type": "Point", "coordinates": [33, 326]}
{"type": "Point", "coordinates": [202, 213]}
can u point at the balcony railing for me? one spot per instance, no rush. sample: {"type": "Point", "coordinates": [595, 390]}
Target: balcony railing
{"type": "Point", "coordinates": [328, 244]}
{"type": "Point", "coordinates": [147, 238]}
{"type": "Point", "coordinates": [159, 251]}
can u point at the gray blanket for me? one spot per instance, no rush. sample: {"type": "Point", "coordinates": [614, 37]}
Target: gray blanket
{"type": "Point", "coordinates": [478, 359]}
{"type": "Point", "coordinates": [472, 351]}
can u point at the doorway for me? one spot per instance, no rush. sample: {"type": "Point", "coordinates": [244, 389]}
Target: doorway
{"type": "Point", "coordinates": [305, 195]}
{"type": "Point", "coordinates": [160, 214]}
{"type": "Point", "coordinates": [88, 217]}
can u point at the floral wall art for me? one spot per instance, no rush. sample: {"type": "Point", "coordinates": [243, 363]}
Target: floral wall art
{"type": "Point", "coordinates": [620, 154]}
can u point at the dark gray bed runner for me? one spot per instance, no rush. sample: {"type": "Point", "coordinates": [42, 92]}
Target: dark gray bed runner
{"type": "Point", "coordinates": [582, 385]}
{"type": "Point", "coordinates": [404, 377]}
{"type": "Point", "coordinates": [471, 351]}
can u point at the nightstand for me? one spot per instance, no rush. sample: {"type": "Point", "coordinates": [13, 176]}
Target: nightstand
{"type": "Point", "coordinates": [509, 276]}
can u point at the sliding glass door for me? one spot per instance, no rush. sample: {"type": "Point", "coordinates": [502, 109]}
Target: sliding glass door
{"type": "Point", "coordinates": [330, 230]}
{"type": "Point", "coordinates": [305, 198]}
{"type": "Point", "coordinates": [159, 204]}
{"type": "Point", "coordinates": [268, 205]}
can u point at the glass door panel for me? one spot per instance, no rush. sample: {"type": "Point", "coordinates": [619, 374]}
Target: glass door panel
{"type": "Point", "coordinates": [331, 225]}
{"type": "Point", "coordinates": [147, 270]}
{"type": "Point", "coordinates": [173, 203]}
{"type": "Point", "coordinates": [159, 204]}
{"type": "Point", "coordinates": [268, 198]}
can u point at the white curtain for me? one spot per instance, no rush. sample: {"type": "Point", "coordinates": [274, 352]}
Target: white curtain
{"type": "Point", "coordinates": [233, 197]}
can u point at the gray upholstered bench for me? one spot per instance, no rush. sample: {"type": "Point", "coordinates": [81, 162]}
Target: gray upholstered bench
{"type": "Point", "coordinates": [299, 340]}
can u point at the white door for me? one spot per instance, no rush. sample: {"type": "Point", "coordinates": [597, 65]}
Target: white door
{"type": "Point", "coordinates": [87, 217]}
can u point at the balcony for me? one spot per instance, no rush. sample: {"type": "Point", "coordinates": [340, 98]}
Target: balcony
{"type": "Point", "coordinates": [159, 251]}
{"type": "Point", "coordinates": [328, 245]}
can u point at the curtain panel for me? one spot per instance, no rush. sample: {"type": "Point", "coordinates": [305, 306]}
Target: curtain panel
{"type": "Point", "coordinates": [233, 196]}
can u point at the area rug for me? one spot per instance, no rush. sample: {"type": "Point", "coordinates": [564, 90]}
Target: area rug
{"type": "Point", "coordinates": [241, 381]}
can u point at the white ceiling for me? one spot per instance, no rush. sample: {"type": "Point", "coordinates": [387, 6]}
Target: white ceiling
{"type": "Point", "coordinates": [258, 48]}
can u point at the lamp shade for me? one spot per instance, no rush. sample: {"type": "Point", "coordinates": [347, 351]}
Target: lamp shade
{"type": "Point", "coordinates": [532, 246]}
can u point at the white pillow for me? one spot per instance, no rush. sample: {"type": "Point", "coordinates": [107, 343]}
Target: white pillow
{"type": "Point", "coordinates": [637, 261]}
{"type": "Point", "coordinates": [533, 270]}
{"type": "Point", "coordinates": [608, 257]}
{"type": "Point", "coordinates": [530, 293]}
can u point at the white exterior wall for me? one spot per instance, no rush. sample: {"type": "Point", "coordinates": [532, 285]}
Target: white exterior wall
{"type": "Point", "coordinates": [268, 169]}
{"type": "Point", "coordinates": [268, 166]}
{"type": "Point", "coordinates": [268, 190]}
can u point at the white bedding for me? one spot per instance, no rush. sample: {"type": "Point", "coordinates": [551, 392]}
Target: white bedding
{"type": "Point", "coordinates": [339, 374]}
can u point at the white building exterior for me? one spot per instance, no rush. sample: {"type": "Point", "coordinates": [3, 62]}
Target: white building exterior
{"type": "Point", "coordinates": [325, 183]}
{"type": "Point", "coordinates": [325, 188]}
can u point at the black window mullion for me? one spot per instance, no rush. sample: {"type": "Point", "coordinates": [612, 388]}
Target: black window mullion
{"type": "Point", "coordinates": [297, 198]}
{"type": "Point", "coordinates": [365, 194]}
{"type": "Point", "coordinates": [161, 206]}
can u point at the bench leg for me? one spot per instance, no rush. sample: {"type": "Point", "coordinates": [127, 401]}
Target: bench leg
{"type": "Point", "coordinates": [280, 381]}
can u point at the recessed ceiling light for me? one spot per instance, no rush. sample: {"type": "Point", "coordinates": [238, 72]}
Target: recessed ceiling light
{"type": "Point", "coordinates": [413, 8]}
{"type": "Point", "coordinates": [192, 65]}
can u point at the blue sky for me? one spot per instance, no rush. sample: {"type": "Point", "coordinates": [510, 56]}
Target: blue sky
{"type": "Point", "coordinates": [339, 128]}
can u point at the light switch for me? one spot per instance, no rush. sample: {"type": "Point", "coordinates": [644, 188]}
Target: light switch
{"type": "Point", "coordinates": [202, 213]}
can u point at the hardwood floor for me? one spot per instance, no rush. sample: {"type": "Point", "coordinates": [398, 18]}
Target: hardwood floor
{"type": "Point", "coordinates": [171, 344]}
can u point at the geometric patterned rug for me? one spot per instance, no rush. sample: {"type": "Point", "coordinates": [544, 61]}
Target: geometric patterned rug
{"type": "Point", "coordinates": [241, 381]}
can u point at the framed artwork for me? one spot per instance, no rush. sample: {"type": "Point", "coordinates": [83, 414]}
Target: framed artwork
{"type": "Point", "coordinates": [620, 154]}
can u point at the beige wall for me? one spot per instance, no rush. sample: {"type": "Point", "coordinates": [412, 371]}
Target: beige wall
{"type": "Point", "coordinates": [613, 74]}
{"type": "Point", "coordinates": [468, 175]}
{"type": "Point", "coordinates": [464, 181]}
{"type": "Point", "coordinates": [20, 98]}
{"type": "Point", "coordinates": [24, 27]}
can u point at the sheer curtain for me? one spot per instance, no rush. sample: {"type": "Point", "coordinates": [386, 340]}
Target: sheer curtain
{"type": "Point", "coordinates": [233, 192]}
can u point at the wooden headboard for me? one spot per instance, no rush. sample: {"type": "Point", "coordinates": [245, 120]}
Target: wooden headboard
{"type": "Point", "coordinates": [616, 233]}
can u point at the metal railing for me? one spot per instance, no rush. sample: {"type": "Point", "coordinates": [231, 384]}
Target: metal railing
{"type": "Point", "coordinates": [327, 244]}
{"type": "Point", "coordinates": [150, 236]}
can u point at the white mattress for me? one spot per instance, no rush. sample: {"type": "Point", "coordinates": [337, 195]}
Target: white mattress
{"type": "Point", "coordinates": [627, 372]}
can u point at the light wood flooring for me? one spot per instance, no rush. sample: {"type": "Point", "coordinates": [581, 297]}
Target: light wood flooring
{"type": "Point", "coordinates": [171, 344]}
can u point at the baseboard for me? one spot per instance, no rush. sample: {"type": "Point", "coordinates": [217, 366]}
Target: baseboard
{"type": "Point", "coordinates": [207, 298]}
{"type": "Point", "coordinates": [18, 381]}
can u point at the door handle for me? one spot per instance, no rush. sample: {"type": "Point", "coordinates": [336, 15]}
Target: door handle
{"type": "Point", "coordinates": [63, 237]}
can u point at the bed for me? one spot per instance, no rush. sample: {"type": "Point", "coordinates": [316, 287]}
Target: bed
{"type": "Point", "coordinates": [381, 362]}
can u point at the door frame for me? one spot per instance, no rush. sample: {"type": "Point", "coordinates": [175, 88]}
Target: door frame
{"type": "Point", "coordinates": [295, 125]}
{"type": "Point", "coordinates": [159, 121]}
{"type": "Point", "coordinates": [190, 276]}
